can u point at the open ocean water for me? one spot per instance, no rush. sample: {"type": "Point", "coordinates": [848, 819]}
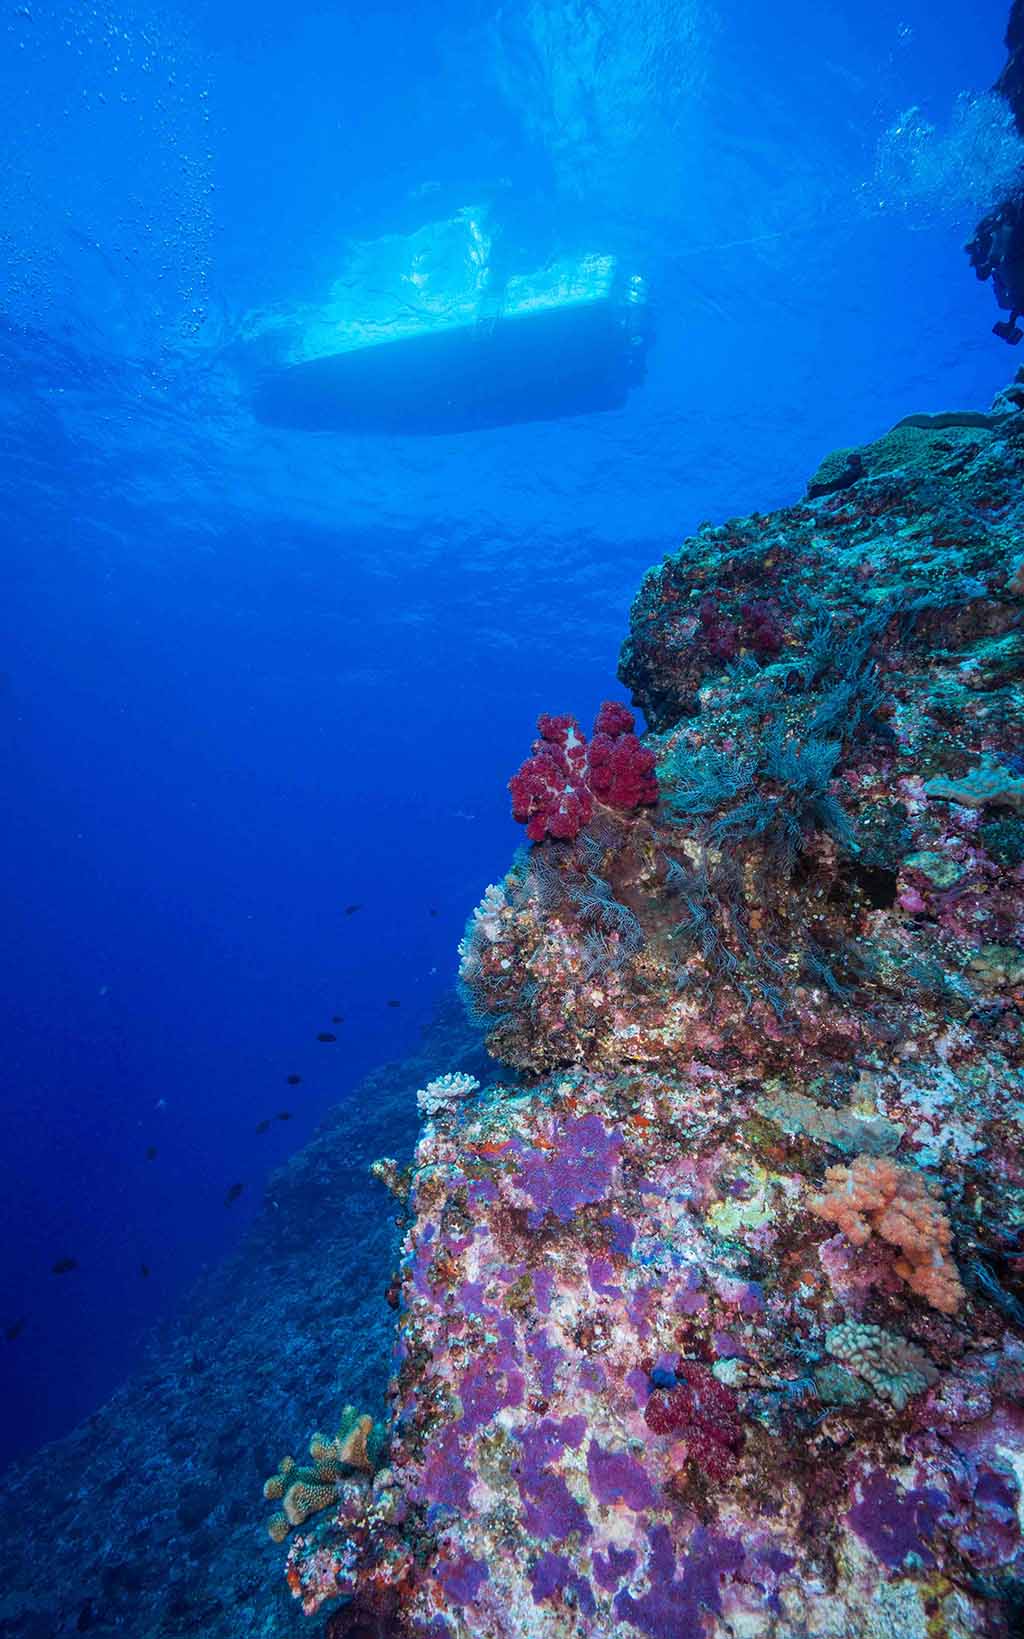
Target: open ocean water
{"type": "Point", "coordinates": [263, 685]}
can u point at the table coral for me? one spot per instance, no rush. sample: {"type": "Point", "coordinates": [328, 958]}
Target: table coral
{"type": "Point", "coordinates": [635, 1390]}
{"type": "Point", "coordinates": [445, 1093]}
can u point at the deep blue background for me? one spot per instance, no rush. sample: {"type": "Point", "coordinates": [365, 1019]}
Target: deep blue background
{"type": "Point", "coordinates": [251, 677]}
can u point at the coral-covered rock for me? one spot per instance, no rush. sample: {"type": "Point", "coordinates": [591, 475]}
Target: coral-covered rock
{"type": "Point", "coordinates": [712, 1322]}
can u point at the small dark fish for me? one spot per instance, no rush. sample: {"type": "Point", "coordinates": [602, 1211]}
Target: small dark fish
{"type": "Point", "coordinates": [151, 1153]}
{"type": "Point", "coordinates": [394, 1004]}
{"type": "Point", "coordinates": [337, 1018]}
{"type": "Point", "coordinates": [325, 1035]}
{"type": "Point", "coordinates": [15, 1330]}
{"type": "Point", "coordinates": [233, 1193]}
{"type": "Point", "coordinates": [293, 1081]}
{"type": "Point", "coordinates": [64, 1266]}
{"type": "Point", "coordinates": [262, 1126]}
{"type": "Point", "coordinates": [350, 910]}
{"type": "Point", "coordinates": [433, 911]}
{"type": "Point", "coordinates": [284, 1115]}
{"type": "Point", "coordinates": [144, 1270]}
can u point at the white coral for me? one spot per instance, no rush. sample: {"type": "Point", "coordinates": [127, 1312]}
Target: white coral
{"type": "Point", "coordinates": [484, 924]}
{"type": "Point", "coordinates": [445, 1093]}
{"type": "Point", "coordinates": [894, 1367]}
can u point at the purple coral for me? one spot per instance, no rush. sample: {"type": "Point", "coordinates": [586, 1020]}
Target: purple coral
{"type": "Point", "coordinates": [895, 1523]}
{"type": "Point", "coordinates": [446, 1478]}
{"type": "Point", "coordinates": [553, 1576]}
{"type": "Point", "coordinates": [675, 1606]}
{"type": "Point", "coordinates": [462, 1578]}
{"type": "Point", "coordinates": [612, 1569]}
{"type": "Point", "coordinates": [550, 1509]}
{"type": "Point", "coordinates": [615, 1476]}
{"type": "Point", "coordinates": [579, 1172]}
{"type": "Point", "coordinates": [488, 1385]}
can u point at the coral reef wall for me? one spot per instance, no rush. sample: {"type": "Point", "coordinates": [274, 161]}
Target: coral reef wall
{"type": "Point", "coordinates": [1011, 81]}
{"type": "Point", "coordinates": [712, 1323]}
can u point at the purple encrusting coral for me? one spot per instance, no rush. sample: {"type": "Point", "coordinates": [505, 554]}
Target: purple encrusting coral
{"type": "Point", "coordinates": [678, 1596]}
{"type": "Point", "coordinates": [486, 1387]}
{"type": "Point", "coordinates": [611, 1569]}
{"type": "Point", "coordinates": [579, 1172]}
{"type": "Point", "coordinates": [462, 1578]}
{"type": "Point", "coordinates": [550, 1511]}
{"type": "Point", "coordinates": [445, 1477]}
{"type": "Point", "coordinates": [550, 1508]}
{"type": "Point", "coordinates": [546, 1357]}
{"type": "Point", "coordinates": [647, 1386]}
{"type": "Point", "coordinates": [896, 1524]}
{"type": "Point", "coordinates": [615, 1476]}
{"type": "Point", "coordinates": [553, 1575]}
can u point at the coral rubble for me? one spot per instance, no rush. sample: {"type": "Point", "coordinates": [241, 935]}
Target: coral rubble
{"type": "Point", "coordinates": [710, 1324]}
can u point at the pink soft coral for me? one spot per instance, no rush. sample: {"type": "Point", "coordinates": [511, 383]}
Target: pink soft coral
{"type": "Point", "coordinates": [554, 791]}
{"type": "Point", "coordinates": [875, 1196]}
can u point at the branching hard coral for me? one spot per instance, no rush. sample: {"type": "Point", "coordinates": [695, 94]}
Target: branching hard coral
{"type": "Point", "coordinates": [395, 1178]}
{"type": "Point", "coordinates": [305, 1490]}
{"type": "Point", "coordinates": [988, 784]}
{"type": "Point", "coordinates": [895, 1368]}
{"type": "Point", "coordinates": [876, 1196]}
{"type": "Point", "coordinates": [483, 933]}
{"type": "Point", "coordinates": [485, 922]}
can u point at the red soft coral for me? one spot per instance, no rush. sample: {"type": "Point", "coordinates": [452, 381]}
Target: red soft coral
{"type": "Point", "coordinates": [550, 795]}
{"type": "Point", "coordinates": [762, 626]}
{"type": "Point", "coordinates": [704, 1413]}
{"type": "Point", "coordinates": [554, 791]}
{"type": "Point", "coordinates": [614, 719]}
{"type": "Point", "coordinates": [622, 771]}
{"type": "Point", "coordinates": [719, 633]}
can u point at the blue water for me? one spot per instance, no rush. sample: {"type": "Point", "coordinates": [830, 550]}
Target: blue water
{"type": "Point", "coordinates": [252, 676]}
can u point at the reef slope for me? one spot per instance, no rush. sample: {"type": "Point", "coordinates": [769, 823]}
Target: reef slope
{"type": "Point", "coordinates": [146, 1519]}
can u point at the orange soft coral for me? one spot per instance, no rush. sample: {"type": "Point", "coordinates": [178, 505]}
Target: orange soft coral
{"type": "Point", "coordinates": [875, 1196]}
